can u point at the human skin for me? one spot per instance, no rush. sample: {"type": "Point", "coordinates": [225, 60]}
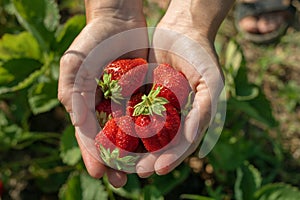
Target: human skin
{"type": "Point", "coordinates": [194, 21]}
{"type": "Point", "coordinates": [198, 20]}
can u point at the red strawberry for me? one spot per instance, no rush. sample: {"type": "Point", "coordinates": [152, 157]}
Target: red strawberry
{"type": "Point", "coordinates": [115, 141]}
{"type": "Point", "coordinates": [157, 121]}
{"type": "Point", "coordinates": [134, 100]}
{"type": "Point", "coordinates": [1, 189]}
{"type": "Point", "coordinates": [174, 86]}
{"type": "Point", "coordinates": [158, 131]}
{"type": "Point", "coordinates": [107, 109]}
{"type": "Point", "coordinates": [121, 78]}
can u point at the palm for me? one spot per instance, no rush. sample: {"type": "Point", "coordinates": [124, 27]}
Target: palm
{"type": "Point", "coordinates": [77, 83]}
{"type": "Point", "coordinates": [190, 55]}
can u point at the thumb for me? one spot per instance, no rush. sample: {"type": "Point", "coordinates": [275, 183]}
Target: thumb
{"type": "Point", "coordinates": [70, 64]}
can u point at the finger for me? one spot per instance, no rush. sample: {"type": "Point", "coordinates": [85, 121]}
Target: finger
{"type": "Point", "coordinates": [145, 167]}
{"type": "Point", "coordinates": [200, 115]}
{"type": "Point", "coordinates": [94, 167]}
{"type": "Point", "coordinates": [116, 178]}
{"type": "Point", "coordinates": [69, 65]}
{"type": "Point", "coordinates": [194, 127]}
{"type": "Point", "coordinates": [174, 156]}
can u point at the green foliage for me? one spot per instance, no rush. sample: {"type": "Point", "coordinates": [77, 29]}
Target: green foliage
{"type": "Point", "coordinates": [195, 197]}
{"type": "Point", "coordinates": [82, 186]}
{"type": "Point", "coordinates": [277, 191]}
{"type": "Point", "coordinates": [42, 97]}
{"type": "Point", "coordinates": [290, 93]}
{"type": "Point", "coordinates": [245, 97]}
{"type": "Point", "coordinates": [38, 147]}
{"type": "Point", "coordinates": [69, 150]}
{"type": "Point", "coordinates": [248, 180]}
{"type": "Point", "coordinates": [40, 18]}
{"type": "Point", "coordinates": [22, 45]}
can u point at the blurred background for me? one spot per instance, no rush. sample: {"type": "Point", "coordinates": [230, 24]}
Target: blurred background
{"type": "Point", "coordinates": [257, 156]}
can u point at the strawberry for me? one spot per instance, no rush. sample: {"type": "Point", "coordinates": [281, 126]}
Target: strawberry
{"type": "Point", "coordinates": [121, 78]}
{"type": "Point", "coordinates": [116, 140]}
{"type": "Point", "coordinates": [157, 121]}
{"type": "Point", "coordinates": [174, 86]}
{"type": "Point", "coordinates": [134, 100]}
{"type": "Point", "coordinates": [107, 109]}
{"type": "Point", "coordinates": [1, 189]}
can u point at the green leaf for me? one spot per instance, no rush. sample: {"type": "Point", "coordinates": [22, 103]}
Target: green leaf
{"type": "Point", "coordinates": [34, 16]}
{"type": "Point", "coordinates": [16, 70]}
{"type": "Point", "coordinates": [52, 17]}
{"type": "Point", "coordinates": [263, 107]}
{"type": "Point", "coordinates": [194, 197]}
{"type": "Point", "coordinates": [247, 182]}
{"type": "Point", "coordinates": [166, 183]}
{"type": "Point", "coordinates": [151, 192]}
{"type": "Point", "coordinates": [258, 108]}
{"type": "Point", "coordinates": [51, 183]}
{"type": "Point", "coordinates": [290, 92]}
{"type": "Point", "coordinates": [69, 150]}
{"type": "Point", "coordinates": [132, 189]}
{"type": "Point", "coordinates": [243, 89]}
{"type": "Point", "coordinates": [236, 73]}
{"type": "Point", "coordinates": [71, 190]}
{"type": "Point", "coordinates": [234, 58]}
{"type": "Point", "coordinates": [18, 107]}
{"type": "Point", "coordinates": [230, 152]}
{"type": "Point", "coordinates": [68, 33]}
{"type": "Point", "coordinates": [92, 189]}
{"type": "Point", "coordinates": [22, 45]}
{"type": "Point", "coordinates": [9, 136]}
{"type": "Point", "coordinates": [42, 97]}
{"type": "Point", "coordinates": [133, 185]}
{"type": "Point", "coordinates": [277, 191]}
{"type": "Point", "coordinates": [26, 82]}
{"type": "Point", "coordinates": [28, 138]}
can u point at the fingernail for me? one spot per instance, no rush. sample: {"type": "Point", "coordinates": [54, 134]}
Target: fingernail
{"type": "Point", "coordinates": [74, 119]}
{"type": "Point", "coordinates": [162, 171]}
{"type": "Point", "coordinates": [143, 173]}
{"type": "Point", "coordinates": [140, 169]}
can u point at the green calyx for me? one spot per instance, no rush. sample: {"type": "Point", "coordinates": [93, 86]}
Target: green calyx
{"type": "Point", "coordinates": [189, 104]}
{"type": "Point", "coordinates": [151, 104]}
{"type": "Point", "coordinates": [102, 118]}
{"type": "Point", "coordinates": [110, 88]}
{"type": "Point", "coordinates": [113, 159]}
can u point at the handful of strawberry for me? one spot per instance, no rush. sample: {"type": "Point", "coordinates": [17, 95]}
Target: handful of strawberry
{"type": "Point", "coordinates": [149, 121]}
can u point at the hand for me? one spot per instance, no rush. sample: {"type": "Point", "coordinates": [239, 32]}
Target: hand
{"type": "Point", "coordinates": [77, 85]}
{"type": "Point", "coordinates": [189, 48]}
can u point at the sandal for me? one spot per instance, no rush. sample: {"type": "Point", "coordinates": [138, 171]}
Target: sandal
{"type": "Point", "coordinates": [260, 7]}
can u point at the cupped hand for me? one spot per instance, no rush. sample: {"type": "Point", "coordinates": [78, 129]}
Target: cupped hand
{"type": "Point", "coordinates": [189, 51]}
{"type": "Point", "coordinates": [96, 45]}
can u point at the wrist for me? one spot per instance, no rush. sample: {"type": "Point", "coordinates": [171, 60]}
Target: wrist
{"type": "Point", "coordinates": [201, 16]}
{"type": "Point", "coordinates": [118, 9]}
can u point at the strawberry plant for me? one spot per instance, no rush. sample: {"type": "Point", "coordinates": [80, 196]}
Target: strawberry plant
{"type": "Point", "coordinates": [40, 158]}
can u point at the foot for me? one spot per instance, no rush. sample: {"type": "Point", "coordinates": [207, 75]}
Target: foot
{"type": "Point", "coordinates": [264, 23]}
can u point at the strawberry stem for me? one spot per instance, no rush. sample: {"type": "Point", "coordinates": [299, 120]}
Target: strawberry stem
{"type": "Point", "coordinates": [151, 104]}
{"type": "Point", "coordinates": [188, 106]}
{"type": "Point", "coordinates": [110, 88]}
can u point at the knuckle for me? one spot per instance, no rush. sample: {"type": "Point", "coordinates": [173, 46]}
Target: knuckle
{"type": "Point", "coordinates": [72, 58]}
{"type": "Point", "coordinates": [64, 98]}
